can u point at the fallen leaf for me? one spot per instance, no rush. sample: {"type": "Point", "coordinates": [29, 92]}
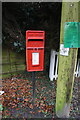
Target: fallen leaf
{"type": "Point", "coordinates": [31, 106]}
{"type": "Point", "coordinates": [26, 99]}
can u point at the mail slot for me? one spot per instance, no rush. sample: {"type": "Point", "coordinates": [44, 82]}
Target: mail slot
{"type": "Point", "coordinates": [35, 50]}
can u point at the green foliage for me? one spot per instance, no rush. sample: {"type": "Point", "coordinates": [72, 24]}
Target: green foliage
{"type": "Point", "coordinates": [19, 17]}
{"type": "Point", "coordinates": [1, 108]}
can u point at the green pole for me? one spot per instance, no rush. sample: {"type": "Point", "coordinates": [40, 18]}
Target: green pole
{"type": "Point", "coordinates": [67, 64]}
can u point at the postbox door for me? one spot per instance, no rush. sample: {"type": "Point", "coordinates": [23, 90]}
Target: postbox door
{"type": "Point", "coordinates": [35, 60]}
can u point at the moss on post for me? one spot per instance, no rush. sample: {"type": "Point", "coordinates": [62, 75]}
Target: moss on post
{"type": "Point", "coordinates": [67, 64]}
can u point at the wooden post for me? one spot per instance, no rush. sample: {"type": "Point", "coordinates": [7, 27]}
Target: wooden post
{"type": "Point", "coordinates": [67, 64]}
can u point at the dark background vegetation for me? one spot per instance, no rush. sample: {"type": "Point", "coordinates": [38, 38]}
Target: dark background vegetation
{"type": "Point", "coordinates": [19, 17]}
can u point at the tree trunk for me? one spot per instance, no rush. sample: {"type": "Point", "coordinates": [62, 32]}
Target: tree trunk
{"type": "Point", "coordinates": [67, 64]}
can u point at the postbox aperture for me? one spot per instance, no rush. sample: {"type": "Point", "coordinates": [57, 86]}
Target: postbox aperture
{"type": "Point", "coordinates": [35, 50]}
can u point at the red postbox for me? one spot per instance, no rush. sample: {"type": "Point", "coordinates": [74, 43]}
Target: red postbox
{"type": "Point", "coordinates": [35, 50]}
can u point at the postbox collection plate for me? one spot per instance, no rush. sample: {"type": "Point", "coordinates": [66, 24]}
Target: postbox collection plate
{"type": "Point", "coordinates": [35, 58]}
{"type": "Point", "coordinates": [72, 34]}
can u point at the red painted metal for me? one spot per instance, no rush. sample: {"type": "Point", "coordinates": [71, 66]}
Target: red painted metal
{"type": "Point", "coordinates": [35, 45]}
